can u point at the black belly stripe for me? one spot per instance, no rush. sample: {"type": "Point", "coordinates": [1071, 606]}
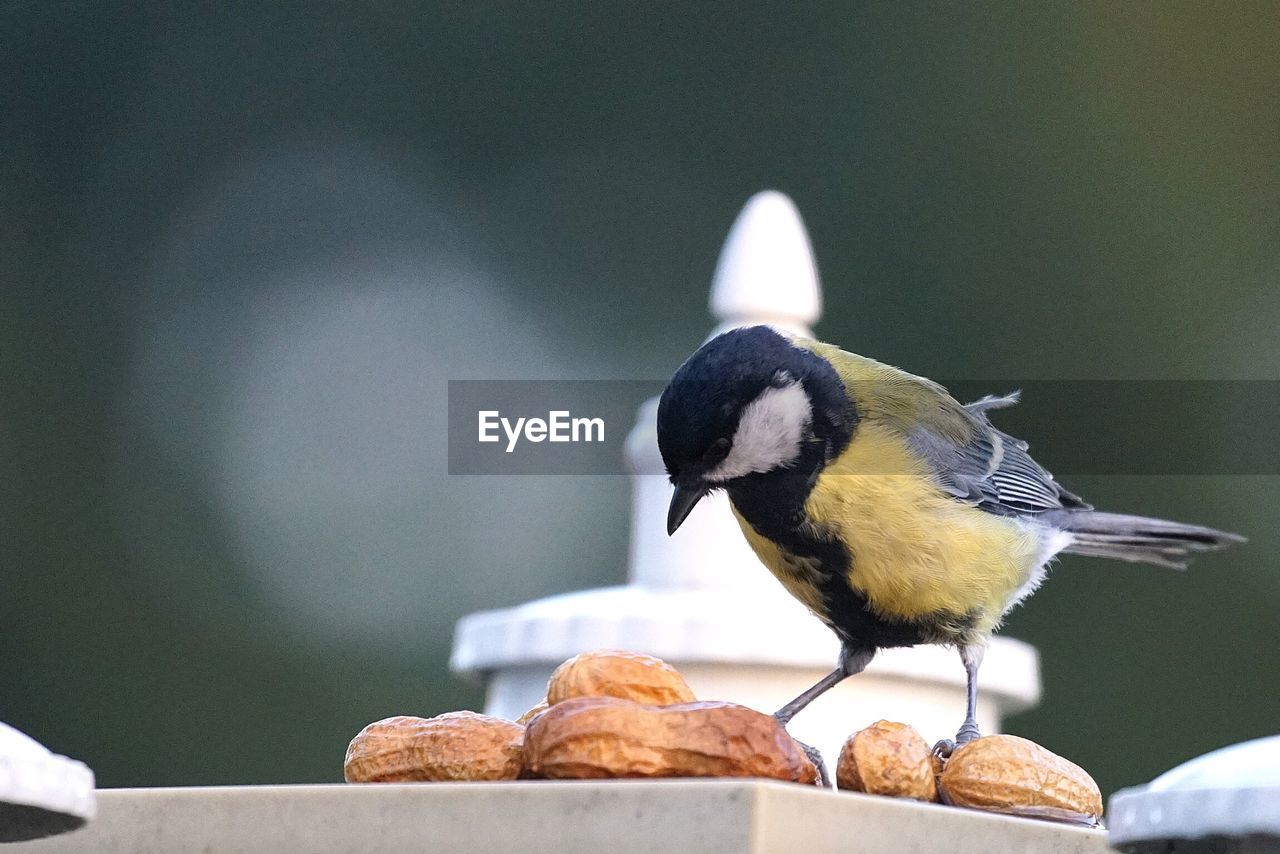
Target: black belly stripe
{"type": "Point", "coordinates": [858, 625]}
{"type": "Point", "coordinates": [772, 505]}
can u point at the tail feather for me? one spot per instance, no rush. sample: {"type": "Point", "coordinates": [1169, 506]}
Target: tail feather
{"type": "Point", "coordinates": [1137, 539]}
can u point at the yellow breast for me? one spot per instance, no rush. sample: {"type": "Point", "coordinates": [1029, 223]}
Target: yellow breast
{"type": "Point", "coordinates": [916, 551]}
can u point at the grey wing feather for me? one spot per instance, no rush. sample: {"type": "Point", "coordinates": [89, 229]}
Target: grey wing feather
{"type": "Point", "coordinates": [993, 470]}
{"type": "Point", "coordinates": [990, 401]}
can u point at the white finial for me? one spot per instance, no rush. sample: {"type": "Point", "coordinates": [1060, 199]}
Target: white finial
{"type": "Point", "coordinates": [766, 272]}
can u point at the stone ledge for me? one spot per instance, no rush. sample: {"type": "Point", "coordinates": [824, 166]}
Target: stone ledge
{"type": "Point", "coordinates": [618, 817]}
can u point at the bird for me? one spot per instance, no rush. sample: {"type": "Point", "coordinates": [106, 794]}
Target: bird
{"type": "Point", "coordinates": [895, 514]}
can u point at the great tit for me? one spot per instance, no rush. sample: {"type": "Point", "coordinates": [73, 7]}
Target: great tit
{"type": "Point", "coordinates": [897, 515]}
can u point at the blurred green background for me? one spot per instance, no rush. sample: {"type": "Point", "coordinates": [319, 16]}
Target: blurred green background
{"type": "Point", "coordinates": [242, 251]}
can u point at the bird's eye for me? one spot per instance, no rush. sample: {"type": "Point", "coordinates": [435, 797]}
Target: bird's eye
{"type": "Point", "coordinates": [718, 451]}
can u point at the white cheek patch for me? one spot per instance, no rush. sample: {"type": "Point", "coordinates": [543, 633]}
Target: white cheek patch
{"type": "Point", "coordinates": [769, 433]}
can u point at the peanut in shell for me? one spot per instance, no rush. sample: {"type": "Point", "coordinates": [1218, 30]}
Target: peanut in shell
{"type": "Point", "coordinates": [1008, 774]}
{"type": "Point", "coordinates": [607, 737]}
{"type": "Point", "coordinates": [456, 746]}
{"type": "Point", "coordinates": [887, 758]}
{"type": "Point", "coordinates": [616, 673]}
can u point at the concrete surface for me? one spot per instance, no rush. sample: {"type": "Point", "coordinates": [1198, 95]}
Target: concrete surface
{"type": "Point", "coordinates": [617, 817]}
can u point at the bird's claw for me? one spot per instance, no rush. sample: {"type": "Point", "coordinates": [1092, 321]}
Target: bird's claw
{"type": "Point", "coordinates": [968, 732]}
{"type": "Point", "coordinates": [816, 758]}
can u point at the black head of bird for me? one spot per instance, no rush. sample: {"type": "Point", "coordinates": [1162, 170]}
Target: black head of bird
{"type": "Point", "coordinates": [747, 405]}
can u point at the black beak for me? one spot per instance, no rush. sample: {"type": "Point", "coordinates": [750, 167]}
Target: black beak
{"type": "Point", "coordinates": [682, 502]}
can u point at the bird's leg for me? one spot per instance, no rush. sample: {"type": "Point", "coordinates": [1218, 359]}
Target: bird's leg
{"type": "Point", "coordinates": [787, 712]}
{"type": "Point", "coordinates": [853, 660]}
{"type": "Point", "coordinates": [971, 655]}
{"type": "Point", "coordinates": [822, 686]}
